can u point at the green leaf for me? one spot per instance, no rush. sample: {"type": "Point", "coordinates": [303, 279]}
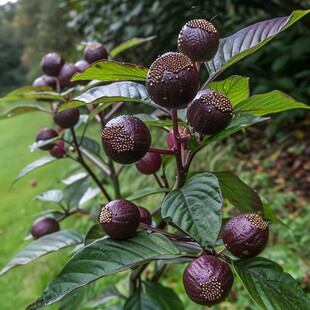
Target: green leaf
{"type": "Point", "coordinates": [248, 40]}
{"type": "Point", "coordinates": [54, 195]}
{"type": "Point", "coordinates": [195, 208]}
{"type": "Point", "coordinates": [18, 95]}
{"type": "Point", "coordinates": [118, 91]}
{"type": "Point", "coordinates": [269, 286]}
{"type": "Point", "coordinates": [44, 245]}
{"type": "Point", "coordinates": [34, 165]}
{"type": "Point", "coordinates": [236, 88]}
{"type": "Point", "coordinates": [23, 109]}
{"type": "Point", "coordinates": [103, 257]}
{"type": "Point", "coordinates": [141, 301]}
{"type": "Point", "coordinates": [272, 102]}
{"type": "Point", "coordinates": [269, 214]}
{"type": "Point", "coordinates": [146, 192]}
{"type": "Point", "coordinates": [108, 71]}
{"type": "Point", "coordinates": [131, 43]}
{"type": "Point", "coordinates": [75, 191]}
{"type": "Point", "coordinates": [76, 299]}
{"type": "Point", "coordinates": [94, 234]}
{"type": "Point", "coordinates": [243, 197]}
{"type": "Point", "coordinates": [110, 292]}
{"type": "Point", "coordinates": [40, 143]}
{"type": "Point", "coordinates": [89, 144]}
{"type": "Point", "coordinates": [164, 296]}
{"type": "Point", "coordinates": [239, 122]}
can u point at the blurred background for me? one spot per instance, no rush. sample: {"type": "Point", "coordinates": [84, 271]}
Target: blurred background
{"type": "Point", "coordinates": [273, 158]}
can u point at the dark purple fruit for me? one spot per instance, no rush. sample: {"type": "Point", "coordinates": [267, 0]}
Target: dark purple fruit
{"type": "Point", "coordinates": [46, 80]}
{"type": "Point", "coordinates": [65, 75]}
{"type": "Point", "coordinates": [119, 218]}
{"type": "Point", "coordinates": [210, 112]}
{"type": "Point", "coordinates": [51, 64]}
{"type": "Point", "coordinates": [126, 139]}
{"type": "Point", "coordinates": [46, 134]}
{"type": "Point", "coordinates": [59, 150]}
{"type": "Point", "coordinates": [145, 216]}
{"type": "Point", "coordinates": [94, 52]}
{"type": "Point", "coordinates": [149, 164]}
{"type": "Point", "coordinates": [245, 235]}
{"type": "Point", "coordinates": [199, 40]}
{"type": "Point", "coordinates": [207, 280]}
{"type": "Point", "coordinates": [172, 80]}
{"type": "Point", "coordinates": [81, 65]}
{"type": "Point", "coordinates": [44, 226]}
{"type": "Point", "coordinates": [67, 118]}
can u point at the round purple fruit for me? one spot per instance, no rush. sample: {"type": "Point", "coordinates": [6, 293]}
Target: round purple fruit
{"type": "Point", "coordinates": [172, 80]}
{"type": "Point", "coordinates": [94, 52]}
{"type": "Point", "coordinates": [119, 218]}
{"type": "Point", "coordinates": [45, 80]}
{"type": "Point", "coordinates": [46, 134]}
{"type": "Point", "coordinates": [149, 164]}
{"type": "Point", "coordinates": [67, 118]}
{"type": "Point", "coordinates": [245, 235]}
{"type": "Point", "coordinates": [59, 150]}
{"type": "Point", "coordinates": [207, 280]}
{"type": "Point", "coordinates": [126, 139]}
{"type": "Point", "coordinates": [51, 64]}
{"type": "Point", "coordinates": [210, 112]}
{"type": "Point", "coordinates": [44, 226]}
{"type": "Point", "coordinates": [145, 216]}
{"type": "Point", "coordinates": [65, 75]}
{"type": "Point", "coordinates": [199, 40]}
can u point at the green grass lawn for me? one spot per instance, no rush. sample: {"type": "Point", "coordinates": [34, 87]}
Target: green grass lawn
{"type": "Point", "coordinates": [24, 284]}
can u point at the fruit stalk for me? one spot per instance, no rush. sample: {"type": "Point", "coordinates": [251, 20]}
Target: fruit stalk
{"type": "Point", "coordinates": [87, 168]}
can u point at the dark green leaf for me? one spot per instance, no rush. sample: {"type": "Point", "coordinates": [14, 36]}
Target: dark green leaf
{"type": "Point", "coordinates": [76, 299]}
{"type": "Point", "coordinates": [54, 195]}
{"type": "Point", "coordinates": [110, 292]}
{"type": "Point", "coordinates": [94, 234]}
{"type": "Point", "coordinates": [44, 245]}
{"type": "Point", "coordinates": [248, 40]}
{"type": "Point", "coordinates": [34, 165]}
{"type": "Point", "coordinates": [164, 296]}
{"type": "Point", "coordinates": [108, 71]}
{"type": "Point", "coordinates": [75, 191]}
{"type": "Point", "coordinates": [272, 102]}
{"type": "Point", "coordinates": [269, 286]}
{"type": "Point", "coordinates": [22, 109]}
{"type": "Point", "coordinates": [106, 256]}
{"type": "Point", "coordinates": [90, 145]}
{"type": "Point", "coordinates": [239, 122]}
{"type": "Point", "coordinates": [146, 192]}
{"type": "Point", "coordinates": [195, 208]}
{"type": "Point", "coordinates": [243, 197]}
{"type": "Point", "coordinates": [118, 91]}
{"type": "Point", "coordinates": [28, 95]}
{"type": "Point", "coordinates": [269, 214]}
{"type": "Point", "coordinates": [236, 88]}
{"type": "Point", "coordinates": [131, 43]}
{"type": "Point", "coordinates": [141, 301]}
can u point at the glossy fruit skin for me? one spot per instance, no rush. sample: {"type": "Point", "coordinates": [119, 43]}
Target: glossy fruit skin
{"type": "Point", "coordinates": [145, 216]}
{"type": "Point", "coordinates": [199, 40]}
{"type": "Point", "coordinates": [245, 235]}
{"type": "Point", "coordinates": [119, 218]}
{"type": "Point", "coordinates": [59, 150]}
{"type": "Point", "coordinates": [46, 134]}
{"type": "Point", "coordinates": [67, 118]}
{"type": "Point", "coordinates": [95, 51]}
{"type": "Point", "coordinates": [210, 112]}
{"type": "Point", "coordinates": [149, 164]}
{"type": "Point", "coordinates": [126, 139]}
{"type": "Point", "coordinates": [44, 226]}
{"type": "Point", "coordinates": [172, 80]}
{"type": "Point", "coordinates": [81, 65]}
{"type": "Point", "coordinates": [65, 75]}
{"type": "Point", "coordinates": [51, 64]}
{"type": "Point", "coordinates": [46, 80]}
{"type": "Point", "coordinates": [207, 280]}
